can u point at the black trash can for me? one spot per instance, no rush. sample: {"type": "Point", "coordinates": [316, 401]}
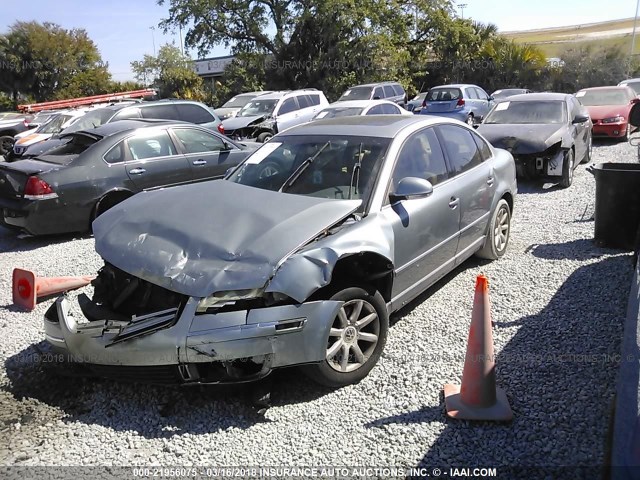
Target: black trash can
{"type": "Point", "coordinates": [617, 205]}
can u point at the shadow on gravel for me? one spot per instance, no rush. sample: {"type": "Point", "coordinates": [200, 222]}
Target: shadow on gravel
{"type": "Point", "coordinates": [11, 241]}
{"type": "Point", "coordinates": [581, 249]}
{"type": "Point", "coordinates": [559, 372]}
{"type": "Point", "coordinates": [152, 411]}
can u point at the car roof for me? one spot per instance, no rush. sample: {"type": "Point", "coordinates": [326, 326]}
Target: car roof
{"type": "Point", "coordinates": [375, 84]}
{"type": "Point", "coordinates": [455, 85]}
{"type": "Point", "coordinates": [629, 80]}
{"type": "Point", "coordinates": [536, 97]}
{"type": "Point", "coordinates": [358, 103]}
{"type": "Point", "coordinates": [111, 128]}
{"type": "Point", "coordinates": [610, 87]}
{"type": "Point", "coordinates": [386, 126]}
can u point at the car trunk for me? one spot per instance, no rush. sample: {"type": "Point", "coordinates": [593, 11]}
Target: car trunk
{"type": "Point", "coordinates": [442, 106]}
{"type": "Point", "coordinates": [443, 100]}
{"type": "Point", "coordinates": [13, 176]}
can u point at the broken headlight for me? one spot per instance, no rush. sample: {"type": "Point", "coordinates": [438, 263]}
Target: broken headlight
{"type": "Point", "coordinates": [219, 299]}
{"type": "Point", "coordinates": [617, 119]}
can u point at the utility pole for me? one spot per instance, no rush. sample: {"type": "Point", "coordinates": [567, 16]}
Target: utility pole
{"type": "Point", "coordinates": [633, 38]}
{"type": "Point", "coordinates": [462, 6]}
{"type": "Point", "coordinates": [181, 44]}
{"type": "Point", "coordinates": [153, 39]}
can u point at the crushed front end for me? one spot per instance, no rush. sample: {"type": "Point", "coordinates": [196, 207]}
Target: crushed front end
{"type": "Point", "coordinates": [545, 164]}
{"type": "Point", "coordinates": [133, 330]}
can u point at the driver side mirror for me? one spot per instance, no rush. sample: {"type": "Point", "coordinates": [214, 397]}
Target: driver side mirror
{"type": "Point", "coordinates": [580, 118]}
{"type": "Point", "coordinates": [411, 187]}
{"type": "Point", "coordinates": [635, 100]}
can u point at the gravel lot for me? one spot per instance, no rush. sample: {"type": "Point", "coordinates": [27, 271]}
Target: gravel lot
{"type": "Point", "coordinates": [553, 294]}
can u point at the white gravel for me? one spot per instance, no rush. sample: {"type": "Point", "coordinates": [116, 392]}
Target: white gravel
{"type": "Point", "coordinates": [553, 294]}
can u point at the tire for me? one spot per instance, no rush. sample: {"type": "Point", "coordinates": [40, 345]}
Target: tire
{"type": "Point", "coordinates": [567, 169]}
{"type": "Point", "coordinates": [627, 132]}
{"type": "Point", "coordinates": [264, 137]}
{"type": "Point", "coordinates": [587, 155]}
{"type": "Point", "coordinates": [369, 338]}
{"type": "Point", "coordinates": [470, 120]}
{"type": "Point", "coordinates": [495, 245]}
{"type": "Point", "coordinates": [6, 145]}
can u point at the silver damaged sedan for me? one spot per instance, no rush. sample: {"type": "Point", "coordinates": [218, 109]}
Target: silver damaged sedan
{"type": "Point", "coordinates": [298, 257]}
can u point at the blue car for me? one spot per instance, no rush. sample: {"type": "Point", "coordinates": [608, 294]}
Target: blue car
{"type": "Point", "coordinates": [467, 103]}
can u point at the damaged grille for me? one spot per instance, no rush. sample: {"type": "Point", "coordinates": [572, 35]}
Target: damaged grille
{"type": "Point", "coordinates": [121, 296]}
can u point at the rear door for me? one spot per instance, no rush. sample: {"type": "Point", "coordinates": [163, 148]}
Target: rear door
{"type": "Point", "coordinates": [484, 104]}
{"type": "Point", "coordinates": [580, 130]}
{"type": "Point", "coordinates": [152, 160]}
{"type": "Point", "coordinates": [206, 152]}
{"type": "Point", "coordinates": [473, 180]}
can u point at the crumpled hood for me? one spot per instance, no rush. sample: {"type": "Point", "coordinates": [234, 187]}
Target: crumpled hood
{"type": "Point", "coordinates": [523, 139]}
{"type": "Point", "coordinates": [223, 112]}
{"type": "Point", "coordinates": [240, 122]}
{"type": "Point", "coordinates": [212, 236]}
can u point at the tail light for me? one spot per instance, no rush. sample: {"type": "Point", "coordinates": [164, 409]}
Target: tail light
{"type": "Point", "coordinates": [38, 189]}
{"type": "Point", "coordinates": [460, 102]}
{"type": "Point", "coordinates": [221, 128]}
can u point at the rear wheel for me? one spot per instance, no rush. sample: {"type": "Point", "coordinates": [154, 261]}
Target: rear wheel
{"type": "Point", "coordinates": [356, 339]}
{"type": "Point", "coordinates": [495, 245]}
{"type": "Point", "coordinates": [567, 169]}
{"type": "Point", "coordinates": [105, 203]}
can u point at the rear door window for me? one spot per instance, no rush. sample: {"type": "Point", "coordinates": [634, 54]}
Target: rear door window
{"type": "Point", "coordinates": [304, 101]}
{"type": "Point", "coordinates": [377, 110]}
{"type": "Point", "coordinates": [390, 109]}
{"type": "Point", "coordinates": [472, 94]}
{"type": "Point", "coordinates": [198, 141]}
{"type": "Point", "coordinates": [116, 154]}
{"type": "Point", "coordinates": [192, 113]}
{"type": "Point", "coordinates": [315, 99]}
{"type": "Point", "coordinates": [378, 93]}
{"type": "Point", "coordinates": [165, 112]}
{"type": "Point", "coordinates": [398, 90]}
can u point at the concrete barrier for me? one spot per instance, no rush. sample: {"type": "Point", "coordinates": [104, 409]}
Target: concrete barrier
{"type": "Point", "coordinates": [625, 453]}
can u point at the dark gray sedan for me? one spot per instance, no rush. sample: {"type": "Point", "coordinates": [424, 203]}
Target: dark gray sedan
{"type": "Point", "coordinates": [298, 257]}
{"type": "Point", "coordinates": [549, 134]}
{"type": "Point", "coordinates": [93, 170]}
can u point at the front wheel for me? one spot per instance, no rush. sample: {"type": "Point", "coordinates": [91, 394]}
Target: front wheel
{"type": "Point", "coordinates": [356, 339]}
{"type": "Point", "coordinates": [495, 245]}
{"type": "Point", "coordinates": [567, 169]}
{"type": "Point", "coordinates": [264, 137]}
{"type": "Point", "coordinates": [6, 145]}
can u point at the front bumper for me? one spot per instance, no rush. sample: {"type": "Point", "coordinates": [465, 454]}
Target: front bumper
{"type": "Point", "coordinates": [210, 348]}
{"type": "Point", "coordinates": [614, 130]}
{"type": "Point", "coordinates": [44, 217]}
{"type": "Point", "coordinates": [539, 165]}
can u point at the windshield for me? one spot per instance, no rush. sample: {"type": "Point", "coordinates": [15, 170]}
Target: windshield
{"type": "Point", "coordinates": [54, 125]}
{"type": "Point", "coordinates": [552, 111]}
{"type": "Point", "coordinates": [443, 94]}
{"type": "Point", "coordinates": [596, 98]}
{"type": "Point", "coordinates": [419, 97]}
{"type": "Point", "coordinates": [338, 112]}
{"type": "Point", "coordinates": [92, 119]}
{"type": "Point", "coordinates": [239, 101]}
{"type": "Point", "coordinates": [357, 93]}
{"type": "Point", "coordinates": [258, 107]}
{"type": "Point", "coordinates": [69, 150]}
{"type": "Point", "coordinates": [326, 166]}
{"type": "Point", "coordinates": [634, 85]}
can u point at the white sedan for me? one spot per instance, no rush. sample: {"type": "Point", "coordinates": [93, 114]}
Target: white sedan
{"type": "Point", "coordinates": [361, 107]}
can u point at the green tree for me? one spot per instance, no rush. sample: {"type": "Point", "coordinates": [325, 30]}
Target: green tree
{"type": "Point", "coordinates": [302, 43]}
{"type": "Point", "coordinates": [171, 72]}
{"type": "Point", "coordinates": [46, 61]}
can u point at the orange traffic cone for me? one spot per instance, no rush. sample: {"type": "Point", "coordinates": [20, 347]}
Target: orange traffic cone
{"type": "Point", "coordinates": [478, 398]}
{"type": "Point", "coordinates": [27, 286]}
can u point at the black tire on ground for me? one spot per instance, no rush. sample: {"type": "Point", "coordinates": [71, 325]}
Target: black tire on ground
{"type": "Point", "coordinates": [626, 133]}
{"type": "Point", "coordinates": [587, 155]}
{"type": "Point", "coordinates": [497, 240]}
{"type": "Point", "coordinates": [359, 330]}
{"type": "Point", "coordinates": [6, 144]}
{"type": "Point", "coordinates": [567, 169]}
{"type": "Point", "coordinates": [264, 136]}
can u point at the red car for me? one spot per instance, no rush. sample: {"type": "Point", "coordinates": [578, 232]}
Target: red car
{"type": "Point", "coordinates": [609, 109]}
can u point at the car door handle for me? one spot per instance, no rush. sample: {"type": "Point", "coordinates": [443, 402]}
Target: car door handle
{"type": "Point", "coordinates": [454, 202]}
{"type": "Point", "coordinates": [490, 181]}
{"type": "Point", "coordinates": [200, 162]}
{"type": "Point", "coordinates": [137, 171]}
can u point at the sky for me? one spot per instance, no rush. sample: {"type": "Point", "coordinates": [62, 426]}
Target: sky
{"type": "Point", "coordinates": [122, 28]}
